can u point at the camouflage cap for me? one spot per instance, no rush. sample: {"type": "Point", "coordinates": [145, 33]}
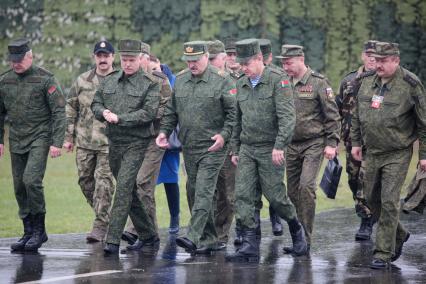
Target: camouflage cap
{"type": "Point", "coordinates": [246, 49]}
{"type": "Point", "coordinates": [17, 49]}
{"type": "Point", "coordinates": [215, 47]}
{"type": "Point", "coordinates": [230, 44]}
{"type": "Point", "coordinates": [193, 50]}
{"type": "Point", "coordinates": [385, 49]}
{"type": "Point", "coordinates": [291, 50]}
{"type": "Point", "coordinates": [369, 46]}
{"type": "Point", "coordinates": [146, 48]}
{"type": "Point", "coordinates": [265, 46]}
{"type": "Point", "coordinates": [129, 47]}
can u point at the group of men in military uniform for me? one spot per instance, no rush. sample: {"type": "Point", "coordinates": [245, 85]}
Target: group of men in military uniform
{"type": "Point", "coordinates": [242, 121]}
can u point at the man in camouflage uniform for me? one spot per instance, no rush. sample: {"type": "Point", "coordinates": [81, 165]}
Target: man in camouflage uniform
{"type": "Point", "coordinates": [231, 66]}
{"type": "Point", "coordinates": [263, 128]}
{"type": "Point", "coordinates": [128, 101]}
{"type": "Point", "coordinates": [34, 103]}
{"type": "Point", "coordinates": [148, 173]}
{"type": "Point", "coordinates": [316, 133]}
{"type": "Point", "coordinates": [203, 105]}
{"type": "Point", "coordinates": [88, 135]}
{"type": "Point", "coordinates": [389, 116]}
{"type": "Point", "coordinates": [345, 100]}
{"type": "Point", "coordinates": [225, 188]}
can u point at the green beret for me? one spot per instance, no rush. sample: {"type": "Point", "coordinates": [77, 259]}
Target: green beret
{"type": "Point", "coordinates": [17, 49]}
{"type": "Point", "coordinates": [215, 47]}
{"type": "Point", "coordinates": [193, 50]}
{"type": "Point", "coordinates": [291, 50]}
{"type": "Point", "coordinates": [129, 47]}
{"type": "Point", "coordinates": [246, 49]}
{"type": "Point", "coordinates": [385, 49]}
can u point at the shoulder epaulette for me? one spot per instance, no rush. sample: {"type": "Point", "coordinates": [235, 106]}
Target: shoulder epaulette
{"type": "Point", "coordinates": [276, 71]}
{"type": "Point", "coordinates": [182, 72]}
{"type": "Point", "coordinates": [222, 73]}
{"type": "Point", "coordinates": [159, 74]}
{"type": "Point", "coordinates": [410, 80]}
{"type": "Point", "coordinates": [318, 75]}
{"type": "Point", "coordinates": [150, 77]}
{"type": "Point", "coordinates": [5, 72]}
{"type": "Point", "coordinates": [44, 71]}
{"type": "Point", "coordinates": [366, 74]}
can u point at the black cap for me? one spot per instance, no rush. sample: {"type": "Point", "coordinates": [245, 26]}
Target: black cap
{"type": "Point", "coordinates": [17, 49]}
{"type": "Point", "coordinates": [103, 46]}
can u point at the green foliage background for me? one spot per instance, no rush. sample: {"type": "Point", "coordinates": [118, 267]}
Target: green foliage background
{"type": "Point", "coordinates": [63, 32]}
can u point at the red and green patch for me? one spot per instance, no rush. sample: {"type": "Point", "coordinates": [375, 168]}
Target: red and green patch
{"type": "Point", "coordinates": [285, 83]}
{"type": "Point", "coordinates": [233, 91]}
{"type": "Point", "coordinates": [51, 90]}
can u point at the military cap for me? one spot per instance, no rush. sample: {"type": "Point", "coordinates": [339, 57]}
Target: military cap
{"type": "Point", "coordinates": [17, 49]}
{"type": "Point", "coordinates": [146, 48]}
{"type": "Point", "coordinates": [246, 49]}
{"type": "Point", "coordinates": [129, 47]}
{"type": "Point", "coordinates": [103, 46]}
{"type": "Point", "coordinates": [291, 50]}
{"type": "Point", "coordinates": [385, 49]}
{"type": "Point", "coordinates": [215, 47]}
{"type": "Point", "coordinates": [265, 46]}
{"type": "Point", "coordinates": [193, 50]}
{"type": "Point", "coordinates": [230, 44]}
{"type": "Point", "coordinates": [369, 46]}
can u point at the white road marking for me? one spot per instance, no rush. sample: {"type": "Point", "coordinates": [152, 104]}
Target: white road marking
{"type": "Point", "coordinates": [97, 273]}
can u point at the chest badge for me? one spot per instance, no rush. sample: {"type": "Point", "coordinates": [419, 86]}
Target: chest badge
{"type": "Point", "coordinates": [376, 101]}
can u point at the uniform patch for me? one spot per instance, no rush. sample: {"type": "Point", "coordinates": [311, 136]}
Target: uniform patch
{"type": "Point", "coordinates": [285, 83]}
{"type": "Point", "coordinates": [233, 91]}
{"type": "Point", "coordinates": [329, 93]}
{"type": "Point", "coordinates": [60, 101]}
{"type": "Point", "coordinates": [306, 89]}
{"type": "Point", "coordinates": [305, 95]}
{"type": "Point", "coordinates": [51, 90]}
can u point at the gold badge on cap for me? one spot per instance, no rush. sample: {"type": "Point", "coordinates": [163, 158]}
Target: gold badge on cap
{"type": "Point", "coordinates": [102, 44]}
{"type": "Point", "coordinates": [189, 49]}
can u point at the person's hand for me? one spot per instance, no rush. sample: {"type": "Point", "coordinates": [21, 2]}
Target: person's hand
{"type": "Point", "coordinates": [234, 160]}
{"type": "Point", "coordinates": [423, 165]}
{"type": "Point", "coordinates": [278, 158]}
{"type": "Point", "coordinates": [1, 150]}
{"type": "Point", "coordinates": [55, 152]}
{"type": "Point", "coordinates": [356, 153]}
{"type": "Point", "coordinates": [68, 146]}
{"type": "Point", "coordinates": [218, 144]}
{"type": "Point", "coordinates": [329, 152]}
{"type": "Point", "coordinates": [106, 114]}
{"type": "Point", "coordinates": [162, 141]}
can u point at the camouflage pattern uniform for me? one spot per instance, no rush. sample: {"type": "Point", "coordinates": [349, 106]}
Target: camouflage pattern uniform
{"type": "Point", "coordinates": [415, 199]}
{"type": "Point", "coordinates": [150, 169]}
{"type": "Point", "coordinates": [389, 130]}
{"type": "Point", "coordinates": [88, 134]}
{"type": "Point", "coordinates": [203, 106]}
{"type": "Point", "coordinates": [135, 99]}
{"type": "Point", "coordinates": [317, 126]}
{"type": "Point", "coordinates": [35, 106]}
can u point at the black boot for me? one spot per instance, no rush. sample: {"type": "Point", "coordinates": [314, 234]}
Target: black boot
{"type": "Point", "coordinates": [39, 233]}
{"type": "Point", "coordinates": [277, 227]}
{"type": "Point", "coordinates": [257, 221]}
{"type": "Point", "coordinates": [398, 247]}
{"type": "Point", "coordinates": [186, 243]}
{"type": "Point", "coordinates": [111, 249]}
{"type": "Point", "coordinates": [249, 250]}
{"type": "Point", "coordinates": [28, 232]}
{"type": "Point", "coordinates": [365, 230]}
{"type": "Point", "coordinates": [239, 236]}
{"type": "Point", "coordinates": [129, 237]}
{"type": "Point", "coordinates": [151, 243]}
{"type": "Point", "coordinates": [300, 246]}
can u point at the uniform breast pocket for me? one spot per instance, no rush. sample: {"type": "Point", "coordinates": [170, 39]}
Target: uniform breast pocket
{"type": "Point", "coordinates": [306, 103]}
{"type": "Point", "coordinates": [391, 112]}
{"type": "Point", "coordinates": [134, 100]}
{"type": "Point", "coordinates": [364, 106]}
{"type": "Point", "coordinates": [37, 100]}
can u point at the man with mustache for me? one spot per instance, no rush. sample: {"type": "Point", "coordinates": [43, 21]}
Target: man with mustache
{"type": "Point", "coordinates": [203, 105]}
{"type": "Point", "coordinates": [33, 101]}
{"type": "Point", "coordinates": [389, 116]}
{"type": "Point", "coordinates": [87, 135]}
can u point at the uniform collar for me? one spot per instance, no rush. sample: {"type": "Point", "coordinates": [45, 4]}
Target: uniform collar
{"type": "Point", "coordinates": [204, 77]}
{"type": "Point", "coordinates": [378, 83]}
{"type": "Point", "coordinates": [132, 78]}
{"type": "Point", "coordinates": [27, 72]}
{"type": "Point", "coordinates": [305, 77]}
{"type": "Point", "coordinates": [263, 78]}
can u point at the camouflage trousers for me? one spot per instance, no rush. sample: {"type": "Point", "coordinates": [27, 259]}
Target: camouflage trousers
{"type": "Point", "coordinates": [389, 171]}
{"type": "Point", "coordinates": [146, 182]}
{"type": "Point", "coordinates": [125, 162]}
{"type": "Point", "coordinates": [255, 167]}
{"type": "Point", "coordinates": [96, 183]}
{"type": "Point", "coordinates": [225, 199]}
{"type": "Point", "coordinates": [202, 168]}
{"type": "Point", "coordinates": [28, 172]}
{"type": "Point", "coordinates": [304, 161]}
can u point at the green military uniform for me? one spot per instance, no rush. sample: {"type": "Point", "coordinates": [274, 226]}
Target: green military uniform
{"type": "Point", "coordinates": [203, 106]}
{"type": "Point", "coordinates": [415, 200]}
{"type": "Point", "coordinates": [35, 106]}
{"type": "Point", "coordinates": [135, 99]}
{"type": "Point", "coordinates": [388, 118]}
{"type": "Point", "coordinates": [88, 134]}
{"type": "Point", "coordinates": [317, 126]}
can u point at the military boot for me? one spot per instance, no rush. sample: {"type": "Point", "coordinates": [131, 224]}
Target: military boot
{"type": "Point", "coordinates": [365, 230]}
{"type": "Point", "coordinates": [239, 236]}
{"type": "Point", "coordinates": [257, 221]}
{"type": "Point", "coordinates": [398, 247]}
{"type": "Point", "coordinates": [111, 249]}
{"type": "Point", "coordinates": [150, 244]}
{"type": "Point", "coordinates": [28, 232]}
{"type": "Point", "coordinates": [249, 250]}
{"type": "Point", "coordinates": [39, 233]}
{"type": "Point", "coordinates": [277, 227]}
{"type": "Point", "coordinates": [300, 246]}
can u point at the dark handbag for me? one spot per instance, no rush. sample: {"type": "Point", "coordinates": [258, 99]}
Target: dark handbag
{"type": "Point", "coordinates": [331, 177]}
{"type": "Point", "coordinates": [174, 143]}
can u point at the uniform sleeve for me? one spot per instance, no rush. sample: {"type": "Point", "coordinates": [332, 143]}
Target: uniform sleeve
{"type": "Point", "coordinates": [147, 113]}
{"type": "Point", "coordinates": [332, 122]}
{"type": "Point", "coordinates": [236, 132]}
{"type": "Point", "coordinates": [2, 118]}
{"type": "Point", "coordinates": [355, 132]}
{"type": "Point", "coordinates": [228, 103]}
{"type": "Point", "coordinates": [97, 105]}
{"type": "Point", "coordinates": [170, 117]}
{"type": "Point", "coordinates": [72, 109]}
{"type": "Point", "coordinates": [339, 97]}
{"type": "Point", "coordinates": [56, 101]}
{"type": "Point", "coordinates": [165, 94]}
{"type": "Point", "coordinates": [420, 110]}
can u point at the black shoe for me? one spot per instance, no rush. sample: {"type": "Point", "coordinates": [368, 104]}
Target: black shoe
{"type": "Point", "coordinates": [129, 237]}
{"type": "Point", "coordinates": [220, 246]}
{"type": "Point", "coordinates": [378, 263]}
{"type": "Point", "coordinates": [28, 232]}
{"type": "Point", "coordinates": [277, 227]}
{"type": "Point", "coordinates": [186, 243]}
{"type": "Point", "coordinates": [365, 230]}
{"type": "Point", "coordinates": [300, 246]}
{"type": "Point", "coordinates": [239, 236]}
{"type": "Point", "coordinates": [204, 250]}
{"type": "Point", "coordinates": [398, 248]}
{"type": "Point", "coordinates": [111, 249]}
{"type": "Point", "coordinates": [289, 250]}
{"type": "Point", "coordinates": [249, 251]}
{"type": "Point", "coordinates": [151, 243]}
{"type": "Point", "coordinates": [39, 233]}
